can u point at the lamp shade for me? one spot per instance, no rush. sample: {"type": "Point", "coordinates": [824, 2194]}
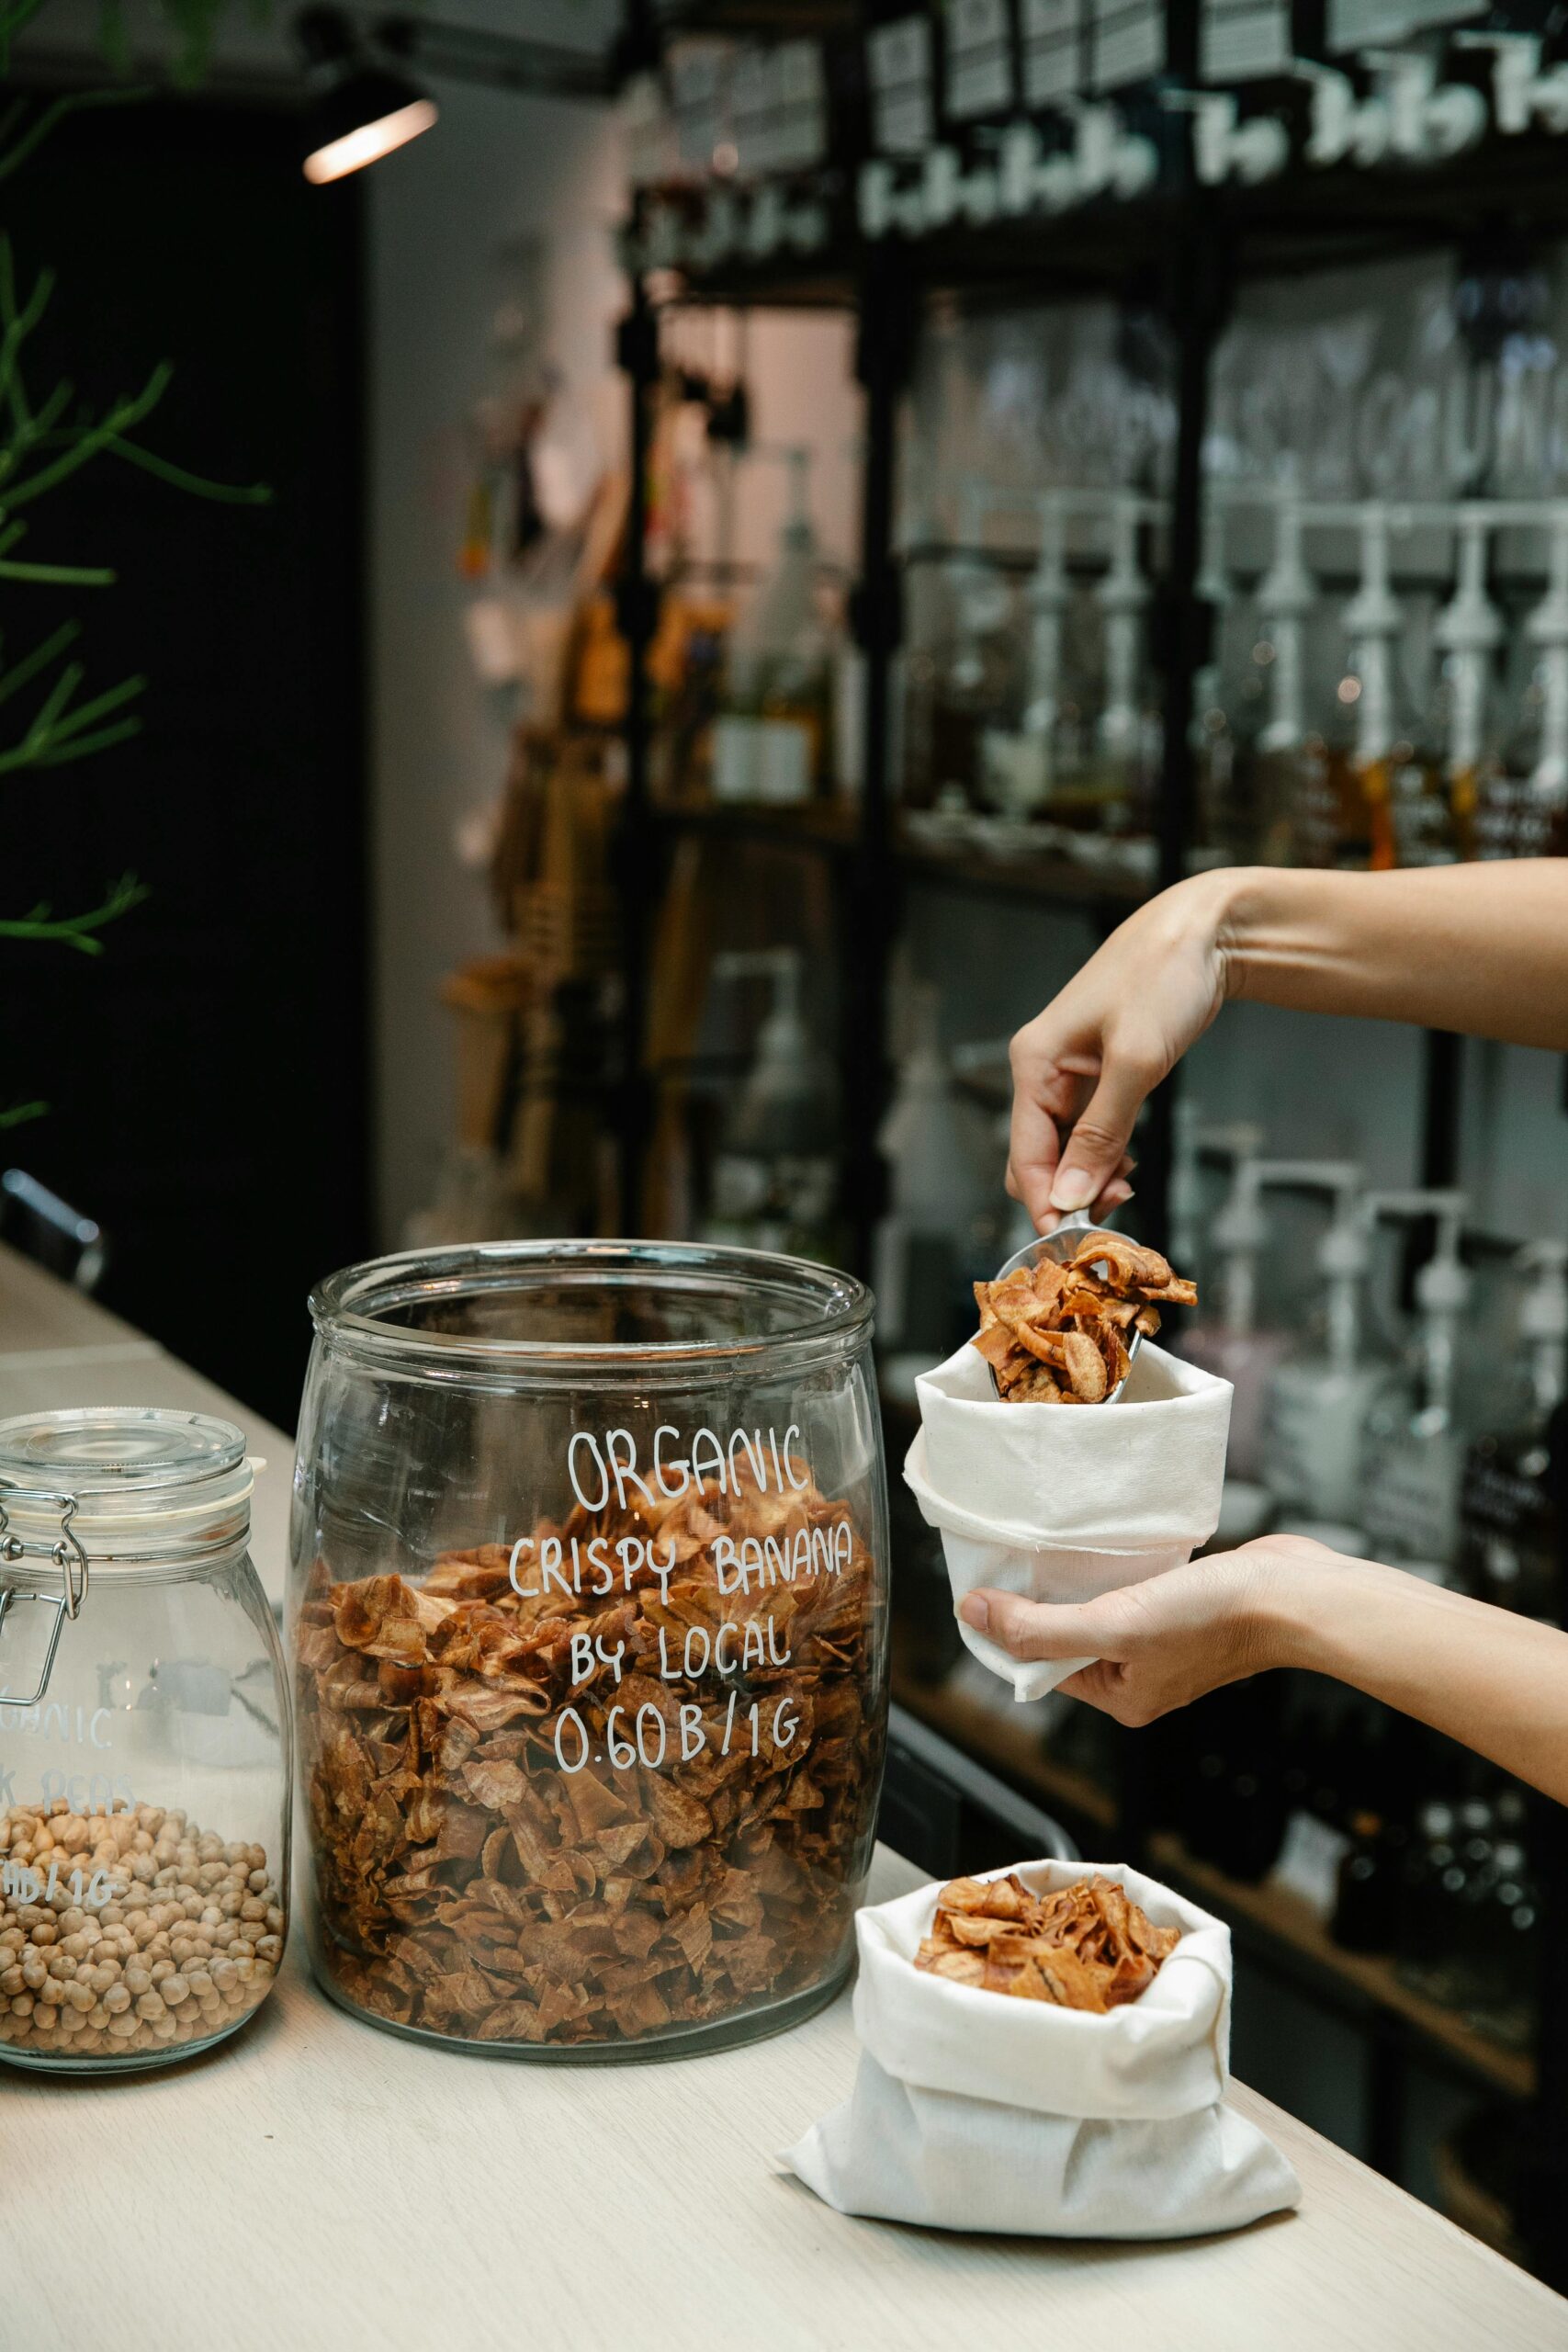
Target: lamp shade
{"type": "Point", "coordinates": [363, 117]}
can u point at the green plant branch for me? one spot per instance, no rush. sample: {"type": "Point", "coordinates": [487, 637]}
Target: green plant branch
{"type": "Point", "coordinates": [50, 117]}
{"type": "Point", "coordinates": [14, 17]}
{"type": "Point", "coordinates": [22, 672]}
{"type": "Point", "coordinates": [58, 575]}
{"type": "Point", "coordinates": [75, 930]}
{"type": "Point", "coordinates": [59, 733]}
{"type": "Point", "coordinates": [82, 442]}
{"type": "Point", "coordinates": [225, 493]}
{"type": "Point", "coordinates": [74, 446]}
{"type": "Point", "coordinates": [42, 445]}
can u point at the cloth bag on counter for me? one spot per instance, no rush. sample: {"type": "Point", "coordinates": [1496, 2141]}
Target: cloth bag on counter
{"type": "Point", "coordinates": [1060, 1503]}
{"type": "Point", "coordinates": [972, 2110]}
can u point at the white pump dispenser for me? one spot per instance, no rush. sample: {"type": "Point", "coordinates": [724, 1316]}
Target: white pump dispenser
{"type": "Point", "coordinates": [1373, 618]}
{"type": "Point", "coordinates": [1229, 1345]}
{"type": "Point", "coordinates": [1510, 1541]}
{"type": "Point", "coordinates": [1286, 594]}
{"type": "Point", "coordinates": [1543, 1321]}
{"type": "Point", "coordinates": [1317, 1402]}
{"type": "Point", "coordinates": [1470, 629]}
{"type": "Point", "coordinates": [1123, 596]}
{"type": "Point", "coordinates": [1415, 1448]}
{"type": "Point", "coordinates": [1548, 628]}
{"type": "Point", "coordinates": [1191, 1244]}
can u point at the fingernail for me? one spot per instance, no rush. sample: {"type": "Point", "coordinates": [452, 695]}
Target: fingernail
{"type": "Point", "coordinates": [973, 1611]}
{"type": "Point", "coordinates": [1073, 1188]}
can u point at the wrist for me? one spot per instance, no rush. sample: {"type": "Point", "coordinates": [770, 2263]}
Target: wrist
{"type": "Point", "coordinates": [1301, 1593]}
{"type": "Point", "coordinates": [1250, 904]}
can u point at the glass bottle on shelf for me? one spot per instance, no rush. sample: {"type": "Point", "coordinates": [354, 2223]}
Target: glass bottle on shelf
{"type": "Point", "coordinates": [1022, 767]}
{"type": "Point", "coordinates": [1528, 816]}
{"type": "Point", "coordinates": [775, 1171]}
{"type": "Point", "coordinates": [1435, 800]}
{"type": "Point", "coordinates": [1226, 702]}
{"type": "Point", "coordinates": [1509, 1507]}
{"type": "Point", "coordinates": [1283, 766]}
{"type": "Point", "coordinates": [772, 738]}
{"type": "Point", "coordinates": [1434, 1882]}
{"type": "Point", "coordinates": [1368, 1896]}
{"type": "Point", "coordinates": [974, 675]}
{"type": "Point", "coordinates": [1504, 1978]}
{"type": "Point", "coordinates": [1127, 755]}
{"type": "Point", "coordinates": [1373, 619]}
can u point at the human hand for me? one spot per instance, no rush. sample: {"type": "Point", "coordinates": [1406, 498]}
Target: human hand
{"type": "Point", "coordinates": [1164, 1642]}
{"type": "Point", "coordinates": [1087, 1062]}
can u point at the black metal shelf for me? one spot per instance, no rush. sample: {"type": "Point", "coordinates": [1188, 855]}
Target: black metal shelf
{"type": "Point", "coordinates": [1183, 252]}
{"type": "Point", "coordinates": [832, 830]}
{"type": "Point", "coordinates": [1306, 219]}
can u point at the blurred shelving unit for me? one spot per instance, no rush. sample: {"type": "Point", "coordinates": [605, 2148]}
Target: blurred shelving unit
{"type": "Point", "coordinates": [1183, 249]}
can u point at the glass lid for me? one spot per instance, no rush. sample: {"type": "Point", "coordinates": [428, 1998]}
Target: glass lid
{"type": "Point", "coordinates": [99, 1449]}
{"type": "Point", "coordinates": [132, 1482]}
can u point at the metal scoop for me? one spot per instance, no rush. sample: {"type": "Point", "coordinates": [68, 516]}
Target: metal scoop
{"type": "Point", "coordinates": [1059, 1247]}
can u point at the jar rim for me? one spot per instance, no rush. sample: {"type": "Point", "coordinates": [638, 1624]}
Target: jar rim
{"type": "Point", "coordinates": [122, 1484]}
{"type": "Point", "coordinates": [351, 1304]}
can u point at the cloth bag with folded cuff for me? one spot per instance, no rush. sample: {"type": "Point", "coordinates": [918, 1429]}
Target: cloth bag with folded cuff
{"type": "Point", "coordinates": [973, 2110]}
{"type": "Point", "coordinates": [1062, 1502]}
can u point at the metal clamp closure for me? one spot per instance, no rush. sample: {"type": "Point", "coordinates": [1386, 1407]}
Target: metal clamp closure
{"type": "Point", "coordinates": [71, 1560]}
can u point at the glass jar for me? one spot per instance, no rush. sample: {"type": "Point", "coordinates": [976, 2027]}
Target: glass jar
{"type": "Point", "coordinates": [588, 1615]}
{"type": "Point", "coordinates": [144, 1743]}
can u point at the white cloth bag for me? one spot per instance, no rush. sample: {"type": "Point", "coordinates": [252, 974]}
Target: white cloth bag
{"type": "Point", "coordinates": [975, 2111]}
{"type": "Point", "coordinates": [1060, 1503]}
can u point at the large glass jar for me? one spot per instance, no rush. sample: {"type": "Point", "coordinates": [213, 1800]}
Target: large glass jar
{"type": "Point", "coordinates": [588, 1617]}
{"type": "Point", "coordinates": [144, 1743]}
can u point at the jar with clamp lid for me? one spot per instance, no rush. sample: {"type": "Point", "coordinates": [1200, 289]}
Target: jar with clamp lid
{"type": "Point", "coordinates": [144, 1742]}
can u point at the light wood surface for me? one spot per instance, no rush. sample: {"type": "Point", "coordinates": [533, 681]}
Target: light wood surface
{"type": "Point", "coordinates": [328, 2188]}
{"type": "Point", "coordinates": [58, 1348]}
{"type": "Point", "coordinates": [333, 2188]}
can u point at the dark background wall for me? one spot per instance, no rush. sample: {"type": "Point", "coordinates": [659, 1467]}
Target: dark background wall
{"type": "Point", "coordinates": [206, 1076]}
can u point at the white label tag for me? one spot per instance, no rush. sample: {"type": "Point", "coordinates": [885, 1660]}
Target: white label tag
{"type": "Point", "coordinates": [900, 58]}
{"type": "Point", "coordinates": [1129, 42]}
{"type": "Point", "coordinates": [1361, 24]}
{"type": "Point", "coordinates": [979, 58]}
{"type": "Point", "coordinates": [1240, 39]}
{"type": "Point", "coordinates": [1053, 50]}
{"type": "Point", "coordinates": [1309, 1861]}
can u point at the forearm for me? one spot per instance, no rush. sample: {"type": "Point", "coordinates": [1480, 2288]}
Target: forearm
{"type": "Point", "coordinates": [1479, 948]}
{"type": "Point", "coordinates": [1496, 1682]}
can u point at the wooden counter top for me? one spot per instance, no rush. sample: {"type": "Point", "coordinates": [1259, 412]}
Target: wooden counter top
{"type": "Point", "coordinates": [322, 2186]}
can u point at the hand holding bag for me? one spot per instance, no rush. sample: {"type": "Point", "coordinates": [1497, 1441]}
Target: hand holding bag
{"type": "Point", "coordinates": [1062, 1502]}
